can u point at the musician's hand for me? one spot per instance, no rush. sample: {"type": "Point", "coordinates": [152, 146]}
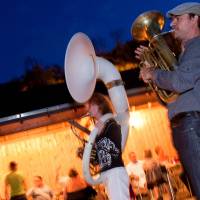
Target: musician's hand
{"type": "Point", "coordinates": [146, 74]}
{"type": "Point", "coordinates": [94, 157]}
{"type": "Point", "coordinates": [139, 51]}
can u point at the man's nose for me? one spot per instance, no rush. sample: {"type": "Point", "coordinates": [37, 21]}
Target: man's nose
{"type": "Point", "coordinates": [173, 23]}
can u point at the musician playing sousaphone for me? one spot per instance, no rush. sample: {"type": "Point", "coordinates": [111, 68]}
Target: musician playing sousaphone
{"type": "Point", "coordinates": [109, 135]}
{"type": "Point", "coordinates": [184, 79]}
{"type": "Point", "coordinates": [108, 148]}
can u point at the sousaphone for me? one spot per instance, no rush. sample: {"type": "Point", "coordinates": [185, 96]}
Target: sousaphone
{"type": "Point", "coordinates": [82, 69]}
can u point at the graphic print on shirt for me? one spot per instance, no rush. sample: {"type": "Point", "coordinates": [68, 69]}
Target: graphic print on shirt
{"type": "Point", "coordinates": [106, 151]}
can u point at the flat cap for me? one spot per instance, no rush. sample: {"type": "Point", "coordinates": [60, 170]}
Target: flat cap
{"type": "Point", "coordinates": [185, 8]}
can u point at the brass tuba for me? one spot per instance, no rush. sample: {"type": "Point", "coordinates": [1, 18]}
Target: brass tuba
{"type": "Point", "coordinates": [162, 49]}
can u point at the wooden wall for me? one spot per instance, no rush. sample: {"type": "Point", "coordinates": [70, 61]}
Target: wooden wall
{"type": "Point", "coordinates": [150, 127]}
{"type": "Point", "coordinates": [41, 151]}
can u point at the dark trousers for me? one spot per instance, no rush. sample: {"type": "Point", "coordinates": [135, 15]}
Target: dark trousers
{"type": "Point", "coordinates": [185, 179]}
{"type": "Point", "coordinates": [186, 136]}
{"type": "Point", "coordinates": [19, 197]}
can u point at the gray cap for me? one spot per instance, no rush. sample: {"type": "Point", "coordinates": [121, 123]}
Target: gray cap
{"type": "Point", "coordinates": [185, 8]}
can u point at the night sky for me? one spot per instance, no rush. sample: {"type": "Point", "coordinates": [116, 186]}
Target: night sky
{"type": "Point", "coordinates": [41, 29]}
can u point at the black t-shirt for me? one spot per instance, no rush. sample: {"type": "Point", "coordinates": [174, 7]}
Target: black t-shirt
{"type": "Point", "coordinates": [108, 146]}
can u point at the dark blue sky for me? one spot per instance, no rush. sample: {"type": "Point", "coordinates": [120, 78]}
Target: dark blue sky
{"type": "Point", "coordinates": [41, 29]}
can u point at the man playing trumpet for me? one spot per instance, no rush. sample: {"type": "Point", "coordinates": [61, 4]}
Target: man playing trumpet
{"type": "Point", "coordinates": [184, 111]}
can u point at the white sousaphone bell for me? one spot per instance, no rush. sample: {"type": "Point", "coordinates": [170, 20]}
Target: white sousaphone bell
{"type": "Point", "coordinates": [82, 69]}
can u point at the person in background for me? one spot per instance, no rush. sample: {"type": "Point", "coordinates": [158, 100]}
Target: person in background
{"type": "Point", "coordinates": [136, 173]}
{"type": "Point", "coordinates": [15, 185]}
{"type": "Point", "coordinates": [108, 148]}
{"type": "Point", "coordinates": [162, 158]}
{"type": "Point", "coordinates": [40, 191]}
{"type": "Point", "coordinates": [76, 187]}
{"type": "Point", "coordinates": [184, 80]}
{"type": "Point", "coordinates": [61, 182]}
{"type": "Point", "coordinates": [153, 173]}
{"type": "Point", "coordinates": [75, 182]}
